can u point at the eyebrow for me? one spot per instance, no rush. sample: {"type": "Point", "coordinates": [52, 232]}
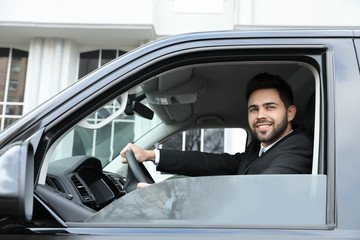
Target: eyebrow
{"type": "Point", "coordinates": [265, 104]}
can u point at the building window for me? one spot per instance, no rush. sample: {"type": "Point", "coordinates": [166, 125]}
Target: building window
{"type": "Point", "coordinates": [13, 64]}
{"type": "Point", "coordinates": [13, 84]}
{"type": "Point", "coordinates": [211, 140]}
{"type": "Point", "coordinates": [89, 61]}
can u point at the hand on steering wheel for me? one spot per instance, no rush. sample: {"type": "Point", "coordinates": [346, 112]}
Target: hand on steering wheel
{"type": "Point", "coordinates": [135, 167]}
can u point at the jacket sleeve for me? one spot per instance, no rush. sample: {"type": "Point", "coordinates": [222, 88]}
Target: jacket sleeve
{"type": "Point", "coordinates": [198, 163]}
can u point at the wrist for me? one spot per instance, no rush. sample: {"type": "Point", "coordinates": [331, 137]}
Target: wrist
{"type": "Point", "coordinates": [151, 155]}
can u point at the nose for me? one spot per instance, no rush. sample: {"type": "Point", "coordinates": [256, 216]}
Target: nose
{"type": "Point", "coordinates": [261, 114]}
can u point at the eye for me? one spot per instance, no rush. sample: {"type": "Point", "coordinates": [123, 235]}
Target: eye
{"type": "Point", "coordinates": [252, 110]}
{"type": "Point", "coordinates": [271, 107]}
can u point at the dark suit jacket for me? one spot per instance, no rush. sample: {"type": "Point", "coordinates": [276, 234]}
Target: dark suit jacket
{"type": "Point", "coordinates": [292, 154]}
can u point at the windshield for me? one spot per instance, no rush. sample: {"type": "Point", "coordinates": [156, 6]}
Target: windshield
{"type": "Point", "coordinates": [107, 130]}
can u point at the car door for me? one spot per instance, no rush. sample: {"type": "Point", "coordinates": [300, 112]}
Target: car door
{"type": "Point", "coordinates": [96, 90]}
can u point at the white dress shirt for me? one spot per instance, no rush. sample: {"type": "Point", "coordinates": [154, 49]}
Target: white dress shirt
{"type": "Point", "coordinates": [264, 149]}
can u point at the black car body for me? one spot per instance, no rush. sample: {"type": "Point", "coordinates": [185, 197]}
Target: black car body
{"type": "Point", "coordinates": [188, 81]}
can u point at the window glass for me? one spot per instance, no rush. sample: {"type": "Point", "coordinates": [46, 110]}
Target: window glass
{"type": "Point", "coordinates": [193, 140]}
{"type": "Point", "coordinates": [12, 84]}
{"type": "Point", "coordinates": [9, 121]}
{"type": "Point", "coordinates": [256, 200]}
{"type": "Point", "coordinates": [212, 140]}
{"type": "Point", "coordinates": [174, 143]}
{"type": "Point", "coordinates": [89, 61]}
{"type": "Point", "coordinates": [121, 53]}
{"type": "Point", "coordinates": [14, 110]}
{"type": "Point", "coordinates": [107, 56]}
{"type": "Point", "coordinates": [104, 142]}
{"type": "Point", "coordinates": [17, 76]}
{"type": "Point", "coordinates": [104, 133]}
{"type": "Point", "coordinates": [4, 61]}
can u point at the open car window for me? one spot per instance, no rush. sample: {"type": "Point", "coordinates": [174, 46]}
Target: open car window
{"type": "Point", "coordinates": [199, 96]}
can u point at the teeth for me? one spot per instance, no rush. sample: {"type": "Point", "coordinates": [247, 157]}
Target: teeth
{"type": "Point", "coordinates": [263, 126]}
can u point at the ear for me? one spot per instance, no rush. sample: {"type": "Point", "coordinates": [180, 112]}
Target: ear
{"type": "Point", "coordinates": [291, 113]}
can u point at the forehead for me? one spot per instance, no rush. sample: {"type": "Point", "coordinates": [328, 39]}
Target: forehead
{"type": "Point", "coordinates": [262, 96]}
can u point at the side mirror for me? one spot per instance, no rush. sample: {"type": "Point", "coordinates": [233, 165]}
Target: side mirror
{"type": "Point", "coordinates": [17, 181]}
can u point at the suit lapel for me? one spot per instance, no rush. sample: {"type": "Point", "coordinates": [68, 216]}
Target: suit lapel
{"type": "Point", "coordinates": [253, 164]}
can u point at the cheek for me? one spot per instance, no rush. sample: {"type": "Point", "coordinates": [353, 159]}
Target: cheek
{"type": "Point", "coordinates": [277, 116]}
{"type": "Point", "coordinates": [251, 120]}
{"type": "Point", "coordinates": [283, 116]}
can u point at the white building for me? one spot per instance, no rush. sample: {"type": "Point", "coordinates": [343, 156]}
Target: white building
{"type": "Point", "coordinates": [45, 45]}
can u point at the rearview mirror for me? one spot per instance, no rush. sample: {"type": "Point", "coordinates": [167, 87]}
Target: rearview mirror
{"type": "Point", "coordinates": [106, 114]}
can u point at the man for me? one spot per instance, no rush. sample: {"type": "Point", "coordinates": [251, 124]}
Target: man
{"type": "Point", "coordinates": [278, 148]}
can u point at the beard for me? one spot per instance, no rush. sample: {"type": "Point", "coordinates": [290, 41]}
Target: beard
{"type": "Point", "coordinates": [272, 134]}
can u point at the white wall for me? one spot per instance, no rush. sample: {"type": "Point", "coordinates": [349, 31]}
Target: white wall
{"type": "Point", "coordinates": [52, 66]}
{"type": "Point", "coordinates": [182, 16]}
{"type": "Point", "coordinates": [77, 11]}
{"type": "Point", "coordinates": [300, 12]}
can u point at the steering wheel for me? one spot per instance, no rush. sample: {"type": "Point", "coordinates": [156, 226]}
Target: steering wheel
{"type": "Point", "coordinates": [135, 168]}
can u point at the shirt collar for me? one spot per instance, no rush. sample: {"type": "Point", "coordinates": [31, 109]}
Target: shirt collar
{"type": "Point", "coordinates": [264, 149]}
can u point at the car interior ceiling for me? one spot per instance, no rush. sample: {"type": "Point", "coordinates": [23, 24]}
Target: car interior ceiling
{"type": "Point", "coordinates": [212, 95]}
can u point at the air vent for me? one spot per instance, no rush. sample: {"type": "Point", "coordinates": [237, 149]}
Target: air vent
{"type": "Point", "coordinates": [119, 183]}
{"type": "Point", "coordinates": [85, 196]}
{"type": "Point", "coordinates": [116, 180]}
{"type": "Point", "coordinates": [55, 183]}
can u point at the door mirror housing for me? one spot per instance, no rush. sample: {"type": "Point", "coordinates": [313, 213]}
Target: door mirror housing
{"type": "Point", "coordinates": [17, 181]}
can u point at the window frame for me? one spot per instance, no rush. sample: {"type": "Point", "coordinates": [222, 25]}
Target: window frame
{"type": "Point", "coordinates": [259, 48]}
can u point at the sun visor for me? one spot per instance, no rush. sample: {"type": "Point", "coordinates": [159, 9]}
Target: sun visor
{"type": "Point", "coordinates": [172, 94]}
{"type": "Point", "coordinates": [185, 93]}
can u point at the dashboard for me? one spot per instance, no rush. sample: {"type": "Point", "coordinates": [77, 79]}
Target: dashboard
{"type": "Point", "coordinates": [80, 185]}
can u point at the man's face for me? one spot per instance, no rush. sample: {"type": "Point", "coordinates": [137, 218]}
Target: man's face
{"type": "Point", "coordinates": [268, 117]}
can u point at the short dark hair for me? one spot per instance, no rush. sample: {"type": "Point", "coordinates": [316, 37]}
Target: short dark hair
{"type": "Point", "coordinates": [268, 81]}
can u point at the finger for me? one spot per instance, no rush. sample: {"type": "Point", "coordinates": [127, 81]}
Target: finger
{"type": "Point", "coordinates": [125, 149]}
{"type": "Point", "coordinates": [142, 185]}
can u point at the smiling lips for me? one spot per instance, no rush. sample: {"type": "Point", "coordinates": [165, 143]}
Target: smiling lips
{"type": "Point", "coordinates": [262, 126]}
